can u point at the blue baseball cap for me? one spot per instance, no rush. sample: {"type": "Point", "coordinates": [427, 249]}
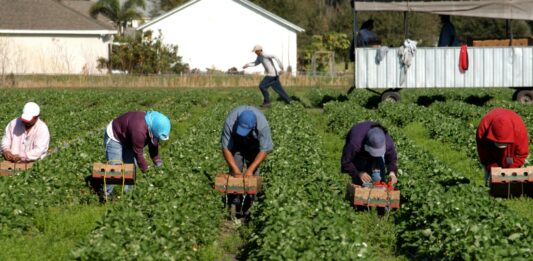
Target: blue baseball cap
{"type": "Point", "coordinates": [246, 122]}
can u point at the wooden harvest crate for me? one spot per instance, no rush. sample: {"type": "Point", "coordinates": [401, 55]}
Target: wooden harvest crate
{"type": "Point", "coordinates": [503, 42]}
{"type": "Point", "coordinates": [373, 197]}
{"type": "Point", "coordinates": [114, 173]}
{"type": "Point", "coordinates": [511, 182]}
{"type": "Point", "coordinates": [226, 183]}
{"type": "Point", "coordinates": [500, 175]}
{"type": "Point", "coordinates": [8, 168]}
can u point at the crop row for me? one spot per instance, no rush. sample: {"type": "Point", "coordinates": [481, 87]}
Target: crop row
{"type": "Point", "coordinates": [302, 214]}
{"type": "Point", "coordinates": [60, 179]}
{"type": "Point", "coordinates": [452, 125]}
{"type": "Point", "coordinates": [173, 213]}
{"type": "Point", "coordinates": [443, 216]}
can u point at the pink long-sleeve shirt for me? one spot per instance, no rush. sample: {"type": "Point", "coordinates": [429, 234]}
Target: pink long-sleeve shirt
{"type": "Point", "coordinates": [29, 146]}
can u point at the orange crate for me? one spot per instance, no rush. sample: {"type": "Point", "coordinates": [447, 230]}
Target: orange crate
{"type": "Point", "coordinates": [229, 184]}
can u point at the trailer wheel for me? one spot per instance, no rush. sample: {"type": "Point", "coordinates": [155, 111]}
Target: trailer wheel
{"type": "Point", "coordinates": [525, 96]}
{"type": "Point", "coordinates": [390, 96]}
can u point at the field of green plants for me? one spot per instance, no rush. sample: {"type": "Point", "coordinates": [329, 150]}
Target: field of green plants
{"type": "Point", "coordinates": [173, 213]}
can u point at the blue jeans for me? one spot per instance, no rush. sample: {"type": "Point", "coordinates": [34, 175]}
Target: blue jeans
{"type": "Point", "coordinates": [276, 85]}
{"type": "Point", "coordinates": [114, 151]}
{"type": "Point", "coordinates": [487, 177]}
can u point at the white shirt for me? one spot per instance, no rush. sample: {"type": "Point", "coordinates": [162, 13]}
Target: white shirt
{"type": "Point", "coordinates": [268, 64]}
{"type": "Point", "coordinates": [109, 131]}
{"type": "Point", "coordinates": [28, 145]}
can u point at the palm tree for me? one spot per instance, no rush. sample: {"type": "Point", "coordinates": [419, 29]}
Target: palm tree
{"type": "Point", "coordinates": [120, 15]}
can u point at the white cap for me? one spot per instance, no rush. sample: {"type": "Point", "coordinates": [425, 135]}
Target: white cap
{"type": "Point", "coordinates": [31, 109]}
{"type": "Point", "coordinates": [257, 48]}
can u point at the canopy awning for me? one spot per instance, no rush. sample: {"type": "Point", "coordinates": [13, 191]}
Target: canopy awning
{"type": "Point", "coordinates": [501, 9]}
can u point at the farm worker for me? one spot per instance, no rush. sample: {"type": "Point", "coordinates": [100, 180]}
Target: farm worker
{"type": "Point", "coordinates": [367, 37]}
{"type": "Point", "coordinates": [246, 139]}
{"type": "Point", "coordinates": [502, 140]}
{"type": "Point", "coordinates": [369, 153]}
{"type": "Point", "coordinates": [272, 75]}
{"type": "Point", "coordinates": [126, 136]}
{"type": "Point", "coordinates": [26, 138]}
{"type": "Point", "coordinates": [447, 33]}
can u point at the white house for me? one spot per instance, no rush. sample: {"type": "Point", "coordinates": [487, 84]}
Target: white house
{"type": "Point", "coordinates": [49, 37]}
{"type": "Point", "coordinates": [220, 34]}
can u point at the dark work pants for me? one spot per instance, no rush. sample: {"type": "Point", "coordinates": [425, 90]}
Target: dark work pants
{"type": "Point", "coordinates": [276, 85]}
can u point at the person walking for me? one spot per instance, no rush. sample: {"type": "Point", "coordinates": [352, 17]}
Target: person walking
{"type": "Point", "coordinates": [271, 75]}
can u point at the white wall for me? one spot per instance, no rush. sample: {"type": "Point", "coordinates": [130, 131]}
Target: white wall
{"type": "Point", "coordinates": [44, 54]}
{"type": "Point", "coordinates": [438, 67]}
{"type": "Point", "coordinates": [220, 34]}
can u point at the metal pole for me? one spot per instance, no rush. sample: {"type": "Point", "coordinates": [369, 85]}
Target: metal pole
{"type": "Point", "coordinates": [405, 26]}
{"type": "Point", "coordinates": [509, 27]}
{"type": "Point", "coordinates": [355, 33]}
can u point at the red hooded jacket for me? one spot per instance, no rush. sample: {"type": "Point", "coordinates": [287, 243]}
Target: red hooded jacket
{"type": "Point", "coordinates": [504, 126]}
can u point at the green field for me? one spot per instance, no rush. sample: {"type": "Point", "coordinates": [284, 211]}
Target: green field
{"type": "Point", "coordinates": [49, 212]}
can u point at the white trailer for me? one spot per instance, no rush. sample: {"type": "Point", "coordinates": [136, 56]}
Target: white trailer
{"type": "Point", "coordinates": [438, 67]}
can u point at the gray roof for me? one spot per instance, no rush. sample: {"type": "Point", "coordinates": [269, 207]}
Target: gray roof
{"type": "Point", "coordinates": [45, 15]}
{"type": "Point", "coordinates": [83, 7]}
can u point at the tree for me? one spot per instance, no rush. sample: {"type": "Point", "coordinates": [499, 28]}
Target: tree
{"type": "Point", "coordinates": [119, 14]}
{"type": "Point", "coordinates": [171, 4]}
{"type": "Point", "coordinates": [144, 54]}
{"type": "Point", "coordinates": [338, 43]}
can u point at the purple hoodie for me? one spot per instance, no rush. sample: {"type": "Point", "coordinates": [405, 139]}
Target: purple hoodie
{"type": "Point", "coordinates": [354, 149]}
{"type": "Point", "coordinates": [131, 130]}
